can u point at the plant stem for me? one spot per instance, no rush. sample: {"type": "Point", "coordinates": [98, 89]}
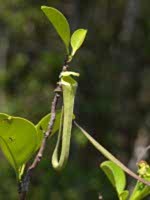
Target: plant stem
{"type": "Point", "coordinates": [23, 186]}
{"type": "Point", "coordinates": [109, 156]}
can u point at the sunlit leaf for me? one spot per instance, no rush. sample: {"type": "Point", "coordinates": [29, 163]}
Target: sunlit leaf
{"type": "Point", "coordinates": [68, 73]}
{"type": "Point", "coordinates": [77, 39]}
{"type": "Point", "coordinates": [18, 140]}
{"type": "Point", "coordinates": [60, 23]}
{"type": "Point", "coordinates": [115, 174]}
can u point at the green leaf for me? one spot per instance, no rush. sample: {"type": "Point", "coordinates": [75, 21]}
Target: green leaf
{"type": "Point", "coordinates": [60, 23]}
{"type": "Point", "coordinates": [140, 191]}
{"type": "Point", "coordinates": [68, 73]}
{"type": "Point", "coordinates": [115, 174]}
{"type": "Point", "coordinates": [18, 140]}
{"type": "Point", "coordinates": [77, 39]}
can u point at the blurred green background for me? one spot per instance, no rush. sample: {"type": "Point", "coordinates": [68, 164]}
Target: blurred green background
{"type": "Point", "coordinates": [113, 97]}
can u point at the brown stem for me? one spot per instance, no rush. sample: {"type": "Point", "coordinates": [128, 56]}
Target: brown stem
{"type": "Point", "coordinates": [24, 183]}
{"type": "Point", "coordinates": [46, 135]}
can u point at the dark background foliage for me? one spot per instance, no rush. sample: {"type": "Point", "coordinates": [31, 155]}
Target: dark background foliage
{"type": "Point", "coordinates": [113, 98]}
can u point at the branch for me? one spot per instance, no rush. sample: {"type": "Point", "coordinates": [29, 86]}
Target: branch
{"type": "Point", "coordinates": [23, 186]}
{"type": "Point", "coordinates": [109, 156]}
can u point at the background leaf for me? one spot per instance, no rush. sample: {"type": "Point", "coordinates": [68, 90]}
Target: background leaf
{"type": "Point", "coordinates": [18, 139]}
{"type": "Point", "coordinates": [60, 23]}
{"type": "Point", "coordinates": [115, 174]}
{"type": "Point", "coordinates": [41, 127]}
{"type": "Point", "coordinates": [77, 39]}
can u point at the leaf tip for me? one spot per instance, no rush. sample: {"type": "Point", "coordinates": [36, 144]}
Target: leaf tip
{"type": "Point", "coordinates": [43, 7]}
{"type": "Point", "coordinates": [86, 30]}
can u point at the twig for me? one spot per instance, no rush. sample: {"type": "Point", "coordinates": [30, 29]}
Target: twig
{"type": "Point", "coordinates": [110, 157]}
{"type": "Point", "coordinates": [23, 186]}
{"type": "Point", "coordinates": [46, 135]}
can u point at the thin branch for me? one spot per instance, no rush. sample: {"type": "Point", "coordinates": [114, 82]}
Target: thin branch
{"type": "Point", "coordinates": [109, 156]}
{"type": "Point", "coordinates": [23, 186]}
{"type": "Point", "coordinates": [48, 132]}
